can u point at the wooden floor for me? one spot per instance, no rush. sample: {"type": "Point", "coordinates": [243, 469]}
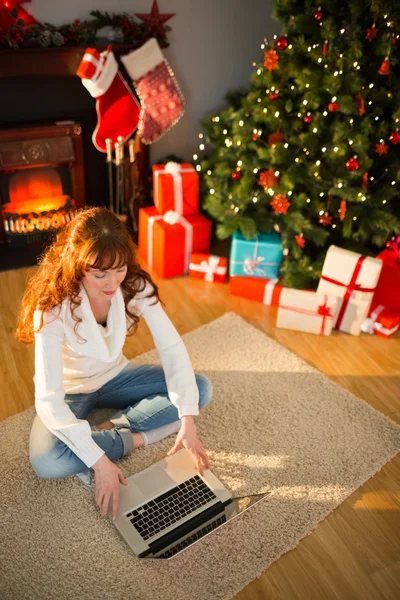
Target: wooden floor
{"type": "Point", "coordinates": [355, 552]}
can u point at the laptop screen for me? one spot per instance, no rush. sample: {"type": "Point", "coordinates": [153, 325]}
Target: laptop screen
{"type": "Point", "coordinates": [195, 529]}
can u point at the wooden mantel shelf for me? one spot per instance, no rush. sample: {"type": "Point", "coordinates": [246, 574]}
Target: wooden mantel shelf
{"type": "Point", "coordinates": [48, 62]}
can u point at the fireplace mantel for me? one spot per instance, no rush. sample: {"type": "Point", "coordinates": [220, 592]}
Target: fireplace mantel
{"type": "Point", "coordinates": [48, 62]}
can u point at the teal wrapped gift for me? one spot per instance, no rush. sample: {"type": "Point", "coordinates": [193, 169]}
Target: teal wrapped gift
{"type": "Point", "coordinates": [260, 257]}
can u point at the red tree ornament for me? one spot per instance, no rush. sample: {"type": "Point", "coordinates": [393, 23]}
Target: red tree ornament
{"type": "Point", "coordinates": [236, 175]}
{"type": "Point", "coordinates": [325, 219]}
{"type": "Point", "coordinates": [282, 43]}
{"type": "Point", "coordinates": [274, 96]}
{"type": "Point", "coordinates": [255, 136]}
{"type": "Point", "coordinates": [271, 60]}
{"type": "Point", "coordinates": [333, 106]}
{"type": "Point", "coordinates": [300, 241]}
{"type": "Point", "coordinates": [307, 118]}
{"type": "Point", "coordinates": [360, 104]}
{"type": "Point", "coordinates": [384, 69]}
{"type": "Point", "coordinates": [381, 149]}
{"type": "Point", "coordinates": [275, 138]}
{"type": "Point", "coordinates": [394, 137]}
{"type": "Point", "coordinates": [268, 179]}
{"type": "Point", "coordinates": [154, 21]}
{"type": "Point", "coordinates": [342, 210]}
{"type": "Point", "coordinates": [352, 164]}
{"type": "Point", "coordinates": [318, 14]}
{"type": "Point", "coordinates": [325, 48]}
{"type": "Point", "coordinates": [371, 33]}
{"type": "Point", "coordinates": [280, 204]}
{"type": "Point", "coordinates": [365, 181]}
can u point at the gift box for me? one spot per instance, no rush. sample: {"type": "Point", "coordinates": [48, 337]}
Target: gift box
{"type": "Point", "coordinates": [259, 257]}
{"type": "Point", "coordinates": [382, 321]}
{"type": "Point", "coordinates": [306, 311]}
{"type": "Point", "coordinates": [166, 242]}
{"type": "Point", "coordinates": [176, 187]}
{"type": "Point", "coordinates": [208, 267]}
{"type": "Point", "coordinates": [267, 291]}
{"type": "Point", "coordinates": [387, 291]}
{"type": "Point", "coordinates": [353, 279]}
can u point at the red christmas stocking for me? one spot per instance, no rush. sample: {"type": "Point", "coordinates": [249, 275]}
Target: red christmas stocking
{"type": "Point", "coordinates": [160, 96]}
{"type": "Point", "coordinates": [117, 108]}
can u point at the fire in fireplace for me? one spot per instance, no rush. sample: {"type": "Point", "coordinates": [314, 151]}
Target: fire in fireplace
{"type": "Point", "coordinates": [41, 181]}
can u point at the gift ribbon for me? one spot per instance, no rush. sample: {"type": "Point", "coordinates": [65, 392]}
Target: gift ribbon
{"type": "Point", "coordinates": [323, 311]}
{"type": "Point", "coordinates": [353, 286]}
{"type": "Point", "coordinates": [250, 265]}
{"type": "Point", "coordinates": [369, 323]}
{"type": "Point", "coordinates": [210, 268]}
{"type": "Point", "coordinates": [172, 218]}
{"type": "Point", "coordinates": [174, 169]}
{"type": "Point", "coordinates": [269, 290]}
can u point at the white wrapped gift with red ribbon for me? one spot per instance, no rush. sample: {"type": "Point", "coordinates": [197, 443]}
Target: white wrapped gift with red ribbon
{"type": "Point", "coordinates": [302, 310]}
{"type": "Point", "coordinates": [352, 278]}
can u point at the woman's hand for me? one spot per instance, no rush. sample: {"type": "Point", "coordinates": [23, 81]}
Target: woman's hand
{"type": "Point", "coordinates": [187, 438]}
{"type": "Point", "coordinates": [107, 478]}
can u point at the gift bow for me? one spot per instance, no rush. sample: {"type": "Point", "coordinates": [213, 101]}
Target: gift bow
{"type": "Point", "coordinates": [210, 267]}
{"type": "Point", "coordinates": [368, 325]}
{"type": "Point", "coordinates": [171, 217]}
{"type": "Point", "coordinates": [250, 265]}
{"type": "Point", "coordinates": [172, 167]}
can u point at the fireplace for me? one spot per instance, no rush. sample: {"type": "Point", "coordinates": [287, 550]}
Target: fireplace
{"type": "Point", "coordinates": [41, 182]}
{"type": "Point", "coordinates": [41, 89]}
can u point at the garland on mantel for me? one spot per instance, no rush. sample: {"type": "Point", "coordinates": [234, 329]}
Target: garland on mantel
{"type": "Point", "coordinates": [19, 29]}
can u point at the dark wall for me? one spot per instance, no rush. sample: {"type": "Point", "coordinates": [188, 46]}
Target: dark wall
{"type": "Point", "coordinates": [40, 100]}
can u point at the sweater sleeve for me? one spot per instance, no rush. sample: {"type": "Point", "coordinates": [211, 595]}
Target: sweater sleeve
{"type": "Point", "coordinates": [179, 375]}
{"type": "Point", "coordinates": [49, 394]}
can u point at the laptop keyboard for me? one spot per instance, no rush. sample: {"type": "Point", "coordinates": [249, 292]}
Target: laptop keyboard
{"type": "Point", "coordinates": [158, 514]}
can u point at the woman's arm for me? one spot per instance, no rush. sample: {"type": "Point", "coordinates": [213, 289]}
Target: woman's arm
{"type": "Point", "coordinates": [49, 394]}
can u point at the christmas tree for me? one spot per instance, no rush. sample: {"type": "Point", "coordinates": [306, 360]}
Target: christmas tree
{"type": "Point", "coordinates": [312, 149]}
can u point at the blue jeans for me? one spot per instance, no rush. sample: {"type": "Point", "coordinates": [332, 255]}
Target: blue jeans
{"type": "Point", "coordinates": [138, 391]}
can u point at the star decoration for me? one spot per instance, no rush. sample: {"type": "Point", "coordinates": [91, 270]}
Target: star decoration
{"type": "Point", "coordinates": [271, 60]}
{"type": "Point", "coordinates": [154, 21]}
{"type": "Point", "coordinates": [381, 149]}
{"type": "Point", "coordinates": [280, 204]}
{"type": "Point", "coordinates": [300, 241]}
{"type": "Point", "coordinates": [268, 179]}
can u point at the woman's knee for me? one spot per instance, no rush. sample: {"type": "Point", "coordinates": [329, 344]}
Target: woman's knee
{"type": "Point", "coordinates": [205, 390]}
{"type": "Point", "coordinates": [46, 461]}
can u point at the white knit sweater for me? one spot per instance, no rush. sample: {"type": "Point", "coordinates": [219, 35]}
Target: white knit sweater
{"type": "Point", "coordinates": [66, 365]}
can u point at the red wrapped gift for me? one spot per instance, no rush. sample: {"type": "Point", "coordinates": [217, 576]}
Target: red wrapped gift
{"type": "Point", "coordinates": [176, 187]}
{"type": "Point", "coordinates": [208, 267]}
{"type": "Point", "coordinates": [166, 242]}
{"type": "Point", "coordinates": [387, 292]}
{"type": "Point", "coordinates": [382, 321]}
{"type": "Point", "coordinates": [267, 291]}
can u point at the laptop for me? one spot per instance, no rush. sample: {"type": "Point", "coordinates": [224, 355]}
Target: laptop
{"type": "Point", "coordinates": [169, 506]}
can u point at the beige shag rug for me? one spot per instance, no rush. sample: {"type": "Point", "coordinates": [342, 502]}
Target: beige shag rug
{"type": "Point", "coordinates": [275, 424]}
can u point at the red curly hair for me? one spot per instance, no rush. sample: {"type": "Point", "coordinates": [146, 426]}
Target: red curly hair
{"type": "Point", "coordinates": [94, 233]}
